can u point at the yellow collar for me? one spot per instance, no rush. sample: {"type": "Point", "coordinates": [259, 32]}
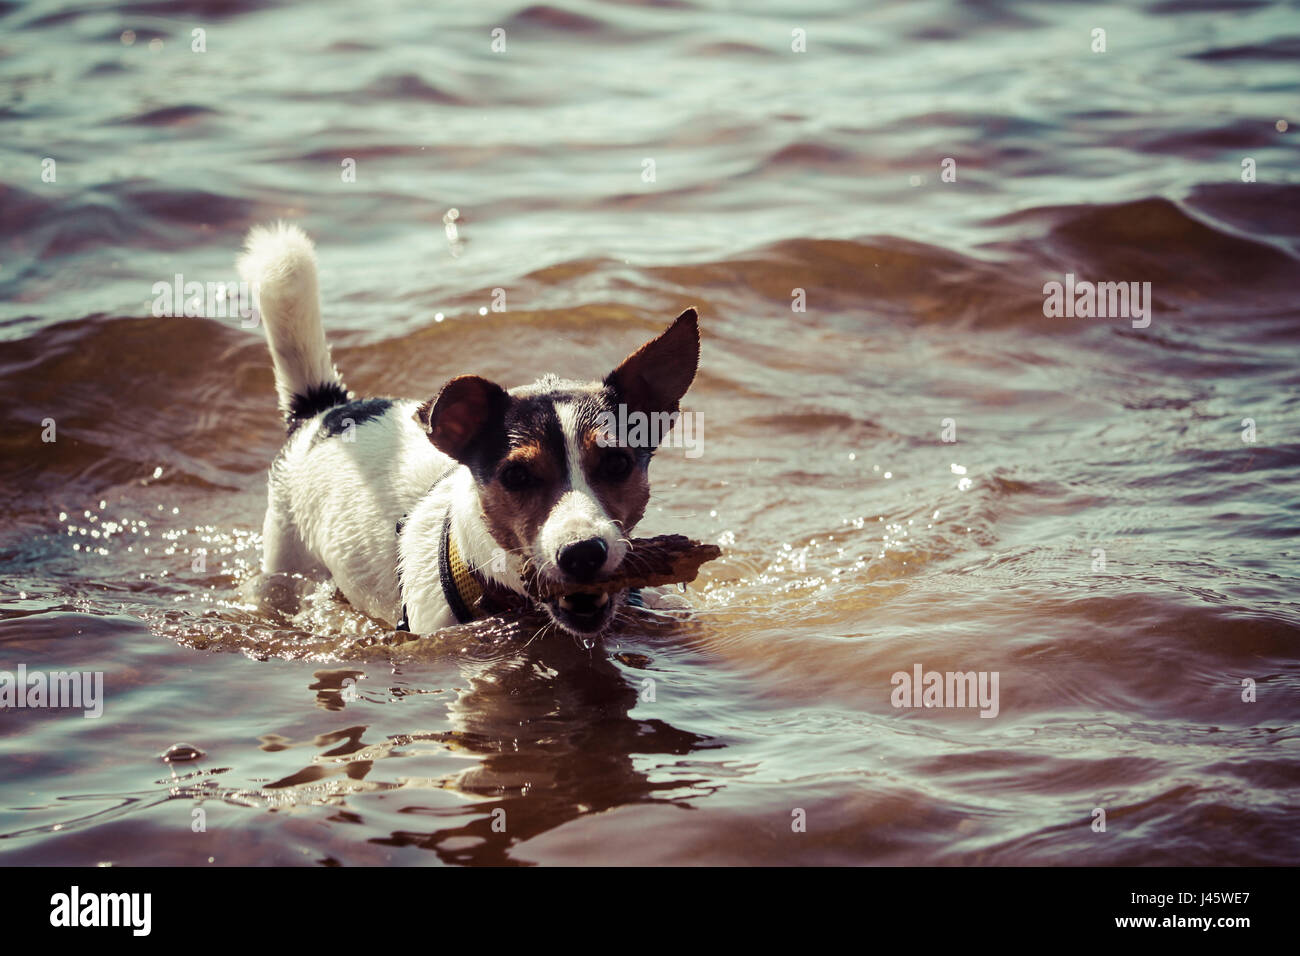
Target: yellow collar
{"type": "Point", "coordinates": [466, 585]}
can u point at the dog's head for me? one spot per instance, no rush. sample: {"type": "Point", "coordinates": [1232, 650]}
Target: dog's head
{"type": "Point", "coordinates": [561, 482]}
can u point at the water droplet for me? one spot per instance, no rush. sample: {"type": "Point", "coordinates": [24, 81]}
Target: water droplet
{"type": "Point", "coordinates": [180, 752]}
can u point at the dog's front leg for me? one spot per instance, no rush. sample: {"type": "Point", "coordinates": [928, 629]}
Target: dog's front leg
{"type": "Point", "coordinates": [426, 618]}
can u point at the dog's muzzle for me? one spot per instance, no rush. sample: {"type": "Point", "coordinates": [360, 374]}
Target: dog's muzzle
{"type": "Point", "coordinates": [583, 612]}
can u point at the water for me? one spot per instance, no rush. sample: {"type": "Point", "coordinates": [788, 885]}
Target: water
{"type": "Point", "coordinates": [1107, 532]}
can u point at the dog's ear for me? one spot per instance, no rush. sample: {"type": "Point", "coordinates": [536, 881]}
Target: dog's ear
{"type": "Point", "coordinates": [463, 414]}
{"type": "Point", "coordinates": [656, 376]}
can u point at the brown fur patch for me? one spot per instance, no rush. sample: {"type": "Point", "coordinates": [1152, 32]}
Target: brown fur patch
{"type": "Point", "coordinates": [624, 501]}
{"type": "Point", "coordinates": [515, 518]}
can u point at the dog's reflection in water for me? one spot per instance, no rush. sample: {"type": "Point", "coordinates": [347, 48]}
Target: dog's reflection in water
{"type": "Point", "coordinates": [551, 737]}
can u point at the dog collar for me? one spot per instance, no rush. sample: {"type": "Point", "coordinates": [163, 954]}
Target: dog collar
{"type": "Point", "coordinates": [460, 586]}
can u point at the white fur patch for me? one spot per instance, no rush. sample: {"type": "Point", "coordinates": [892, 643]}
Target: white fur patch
{"type": "Point", "coordinates": [577, 515]}
{"type": "Point", "coordinates": [279, 262]}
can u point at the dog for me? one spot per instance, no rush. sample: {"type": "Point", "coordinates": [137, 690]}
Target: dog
{"type": "Point", "coordinates": [426, 513]}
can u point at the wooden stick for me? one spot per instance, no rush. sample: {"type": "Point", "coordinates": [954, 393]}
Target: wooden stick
{"type": "Point", "coordinates": [651, 562]}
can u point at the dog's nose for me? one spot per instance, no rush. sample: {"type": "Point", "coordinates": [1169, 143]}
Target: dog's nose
{"type": "Point", "coordinates": [583, 560]}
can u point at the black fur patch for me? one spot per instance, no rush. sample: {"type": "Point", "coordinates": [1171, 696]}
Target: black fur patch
{"type": "Point", "coordinates": [589, 409]}
{"type": "Point", "coordinates": [609, 400]}
{"type": "Point", "coordinates": [530, 420]}
{"type": "Point", "coordinates": [317, 399]}
{"type": "Point", "coordinates": [342, 417]}
{"type": "Point", "coordinates": [534, 420]}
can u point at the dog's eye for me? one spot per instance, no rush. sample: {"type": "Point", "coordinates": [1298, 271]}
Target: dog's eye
{"type": "Point", "coordinates": [615, 466]}
{"type": "Point", "coordinates": [515, 477]}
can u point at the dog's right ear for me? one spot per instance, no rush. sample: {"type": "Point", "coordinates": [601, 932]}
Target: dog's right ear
{"type": "Point", "coordinates": [465, 412]}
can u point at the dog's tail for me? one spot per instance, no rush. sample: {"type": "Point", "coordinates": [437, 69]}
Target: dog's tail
{"type": "Point", "coordinates": [279, 262]}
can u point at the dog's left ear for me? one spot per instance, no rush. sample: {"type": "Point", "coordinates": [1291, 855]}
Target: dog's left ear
{"type": "Point", "coordinates": [656, 376]}
{"type": "Point", "coordinates": [461, 417]}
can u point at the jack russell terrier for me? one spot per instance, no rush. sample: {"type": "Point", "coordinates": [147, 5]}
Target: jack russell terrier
{"type": "Point", "coordinates": [421, 511]}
